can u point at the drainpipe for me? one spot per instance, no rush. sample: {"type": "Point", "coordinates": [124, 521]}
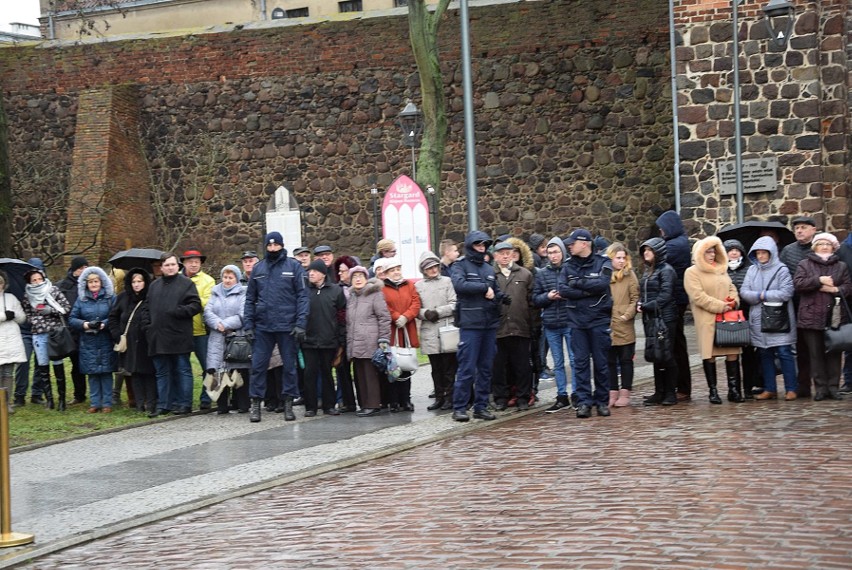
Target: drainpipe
{"type": "Point", "coordinates": [262, 9]}
{"type": "Point", "coordinates": [673, 64]}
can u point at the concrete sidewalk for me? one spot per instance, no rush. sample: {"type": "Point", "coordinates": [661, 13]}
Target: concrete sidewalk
{"type": "Point", "coordinates": [76, 491]}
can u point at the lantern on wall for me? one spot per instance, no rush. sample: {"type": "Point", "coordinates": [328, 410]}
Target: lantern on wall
{"type": "Point", "coordinates": [778, 16]}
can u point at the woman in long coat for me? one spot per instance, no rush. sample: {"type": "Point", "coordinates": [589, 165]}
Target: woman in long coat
{"type": "Point", "coordinates": [768, 281]}
{"type": "Point", "coordinates": [126, 315]}
{"type": "Point", "coordinates": [711, 292]}
{"type": "Point", "coordinates": [90, 316]}
{"type": "Point", "coordinates": [11, 343]}
{"type": "Point", "coordinates": [820, 278]}
{"type": "Point", "coordinates": [404, 307]}
{"type": "Point", "coordinates": [223, 315]}
{"type": "Point", "coordinates": [624, 287]}
{"type": "Point", "coordinates": [367, 321]}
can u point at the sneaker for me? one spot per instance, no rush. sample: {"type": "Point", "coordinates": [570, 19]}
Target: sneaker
{"type": "Point", "coordinates": [846, 389]}
{"type": "Point", "coordinates": [561, 403]}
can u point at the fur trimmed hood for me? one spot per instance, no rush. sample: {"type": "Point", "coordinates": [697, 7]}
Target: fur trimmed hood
{"type": "Point", "coordinates": [373, 286]}
{"type": "Point", "coordinates": [702, 245]}
{"type": "Point", "coordinates": [526, 260]}
{"type": "Point", "coordinates": [106, 283]}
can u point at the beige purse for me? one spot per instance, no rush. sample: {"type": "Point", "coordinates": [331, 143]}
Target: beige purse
{"type": "Point", "coordinates": [121, 345]}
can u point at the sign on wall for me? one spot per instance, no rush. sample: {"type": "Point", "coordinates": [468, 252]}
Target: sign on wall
{"type": "Point", "coordinates": [405, 220]}
{"type": "Point", "coordinates": [759, 175]}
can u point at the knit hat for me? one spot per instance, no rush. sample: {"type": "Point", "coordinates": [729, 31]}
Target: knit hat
{"type": "Point", "coordinates": [77, 263]}
{"type": "Point", "coordinates": [536, 240]}
{"type": "Point", "coordinates": [825, 236]}
{"type": "Point", "coordinates": [233, 269]}
{"type": "Point", "coordinates": [274, 237]}
{"type": "Point", "coordinates": [359, 269]}
{"type": "Point", "coordinates": [318, 265]}
{"type": "Point", "coordinates": [427, 260]}
{"type": "Point", "coordinates": [385, 245]}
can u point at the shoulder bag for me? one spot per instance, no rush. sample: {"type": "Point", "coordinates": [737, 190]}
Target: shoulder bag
{"type": "Point", "coordinates": [121, 345]}
{"type": "Point", "coordinates": [406, 356]}
{"type": "Point", "coordinates": [731, 329]}
{"type": "Point", "coordinates": [237, 348]}
{"type": "Point", "coordinates": [448, 337]}
{"type": "Point", "coordinates": [60, 343]}
{"type": "Point", "coordinates": [839, 338]}
{"type": "Point", "coordinates": [774, 316]}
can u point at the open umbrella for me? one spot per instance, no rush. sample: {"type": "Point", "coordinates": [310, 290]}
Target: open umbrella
{"type": "Point", "coordinates": [748, 232]}
{"type": "Point", "coordinates": [135, 257]}
{"type": "Point", "coordinates": [15, 269]}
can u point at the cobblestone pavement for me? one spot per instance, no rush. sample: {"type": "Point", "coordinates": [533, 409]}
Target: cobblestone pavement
{"type": "Point", "coordinates": [752, 485]}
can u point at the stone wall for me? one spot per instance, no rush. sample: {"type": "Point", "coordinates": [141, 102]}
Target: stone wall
{"type": "Point", "coordinates": [572, 105]}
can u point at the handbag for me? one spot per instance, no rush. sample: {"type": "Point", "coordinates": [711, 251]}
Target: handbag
{"type": "Point", "coordinates": [658, 345]}
{"type": "Point", "coordinates": [237, 348]}
{"type": "Point", "coordinates": [731, 329]}
{"type": "Point", "coordinates": [774, 316]}
{"type": "Point", "coordinates": [448, 338]}
{"type": "Point", "coordinates": [406, 356]}
{"type": "Point", "coordinates": [60, 343]}
{"type": "Point", "coordinates": [839, 338]}
{"type": "Point", "coordinates": [121, 345]}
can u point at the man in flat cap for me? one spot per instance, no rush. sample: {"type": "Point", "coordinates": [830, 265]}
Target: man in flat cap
{"type": "Point", "coordinates": [248, 261]}
{"type": "Point", "coordinates": [326, 254]}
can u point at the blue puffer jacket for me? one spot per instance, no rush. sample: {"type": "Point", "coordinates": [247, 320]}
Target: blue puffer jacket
{"type": "Point", "coordinates": [276, 300]}
{"type": "Point", "coordinates": [471, 279]}
{"type": "Point", "coordinates": [584, 282]}
{"type": "Point", "coordinates": [679, 254]}
{"type": "Point", "coordinates": [96, 353]}
{"type": "Point", "coordinates": [554, 313]}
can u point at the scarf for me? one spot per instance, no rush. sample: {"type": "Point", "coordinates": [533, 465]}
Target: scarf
{"type": "Point", "coordinates": [734, 264]}
{"type": "Point", "coordinates": [824, 256]}
{"type": "Point", "coordinates": [40, 295]}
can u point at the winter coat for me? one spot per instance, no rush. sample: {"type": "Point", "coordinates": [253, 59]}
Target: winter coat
{"type": "Point", "coordinates": [367, 320]}
{"type": "Point", "coordinates": [204, 285]}
{"type": "Point", "coordinates": [516, 318]}
{"type": "Point", "coordinates": [11, 342]}
{"type": "Point", "coordinates": [584, 282]}
{"type": "Point", "coordinates": [40, 324]}
{"type": "Point", "coordinates": [327, 316]}
{"type": "Point", "coordinates": [738, 275]}
{"type": "Point", "coordinates": [815, 306]}
{"type": "Point", "coordinates": [96, 346]}
{"type": "Point", "coordinates": [678, 255]}
{"type": "Point", "coordinates": [472, 278]}
{"type": "Point", "coordinates": [277, 300]}
{"type": "Point", "coordinates": [69, 287]}
{"type": "Point", "coordinates": [708, 286]}
{"type": "Point", "coordinates": [793, 253]}
{"type": "Point", "coordinates": [225, 308]}
{"type": "Point", "coordinates": [402, 300]}
{"type": "Point", "coordinates": [172, 303]}
{"type": "Point", "coordinates": [554, 312]}
{"type": "Point", "coordinates": [135, 359]}
{"type": "Point", "coordinates": [625, 294]}
{"type": "Point", "coordinates": [438, 295]}
{"type": "Point", "coordinates": [770, 281]}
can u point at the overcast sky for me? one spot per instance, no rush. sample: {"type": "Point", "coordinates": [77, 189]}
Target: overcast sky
{"type": "Point", "coordinates": [23, 11]}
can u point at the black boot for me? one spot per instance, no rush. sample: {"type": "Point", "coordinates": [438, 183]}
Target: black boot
{"type": "Point", "coordinates": [710, 374]}
{"type": "Point", "coordinates": [44, 373]}
{"type": "Point", "coordinates": [289, 416]}
{"type": "Point", "coordinates": [659, 392]}
{"type": "Point", "coordinates": [732, 368]}
{"type": "Point", "coordinates": [254, 410]}
{"type": "Point", "coordinates": [670, 387]}
{"type": "Point", "coordinates": [59, 372]}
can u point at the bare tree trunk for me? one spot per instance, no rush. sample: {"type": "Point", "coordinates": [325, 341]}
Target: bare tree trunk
{"type": "Point", "coordinates": [423, 30]}
{"type": "Point", "coordinates": [5, 187]}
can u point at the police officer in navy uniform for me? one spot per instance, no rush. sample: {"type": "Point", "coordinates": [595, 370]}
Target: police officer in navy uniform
{"type": "Point", "coordinates": [276, 311]}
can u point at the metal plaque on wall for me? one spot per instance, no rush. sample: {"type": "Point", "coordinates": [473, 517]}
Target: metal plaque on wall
{"type": "Point", "coordinates": [759, 175]}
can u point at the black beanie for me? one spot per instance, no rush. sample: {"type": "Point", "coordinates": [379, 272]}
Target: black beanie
{"type": "Point", "coordinates": [318, 265]}
{"type": "Point", "coordinates": [77, 263]}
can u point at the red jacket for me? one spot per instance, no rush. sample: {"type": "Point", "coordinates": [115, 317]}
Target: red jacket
{"type": "Point", "coordinates": [402, 300]}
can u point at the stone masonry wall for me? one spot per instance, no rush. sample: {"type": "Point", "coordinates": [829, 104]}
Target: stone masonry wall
{"type": "Point", "coordinates": [572, 106]}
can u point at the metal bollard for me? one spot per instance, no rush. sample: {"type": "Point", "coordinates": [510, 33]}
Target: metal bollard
{"type": "Point", "coordinates": [7, 537]}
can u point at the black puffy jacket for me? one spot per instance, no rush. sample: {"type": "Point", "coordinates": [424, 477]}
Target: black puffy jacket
{"type": "Point", "coordinates": [657, 285]}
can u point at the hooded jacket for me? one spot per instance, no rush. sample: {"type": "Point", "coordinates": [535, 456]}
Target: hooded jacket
{"type": "Point", "coordinates": [367, 319]}
{"type": "Point", "coordinates": [738, 275]}
{"type": "Point", "coordinates": [471, 279]}
{"type": "Point", "coordinates": [657, 285]}
{"type": "Point", "coordinates": [584, 282]}
{"type": "Point", "coordinates": [277, 300]}
{"type": "Point", "coordinates": [436, 294]}
{"type": "Point", "coordinates": [135, 359]}
{"type": "Point", "coordinates": [96, 346]}
{"type": "Point", "coordinates": [771, 282]}
{"type": "Point", "coordinates": [624, 287]}
{"type": "Point", "coordinates": [225, 308]}
{"type": "Point", "coordinates": [815, 306]}
{"type": "Point", "coordinates": [11, 342]}
{"type": "Point", "coordinates": [554, 312]}
{"type": "Point", "coordinates": [677, 245]}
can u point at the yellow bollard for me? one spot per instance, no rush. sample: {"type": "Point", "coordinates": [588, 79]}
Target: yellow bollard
{"type": "Point", "coordinates": [7, 537]}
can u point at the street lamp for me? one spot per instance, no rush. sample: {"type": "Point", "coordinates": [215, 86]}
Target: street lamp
{"type": "Point", "coordinates": [411, 124]}
{"type": "Point", "coordinates": [375, 192]}
{"type": "Point", "coordinates": [778, 17]}
{"type": "Point", "coordinates": [738, 143]}
{"type": "Point", "coordinates": [433, 216]}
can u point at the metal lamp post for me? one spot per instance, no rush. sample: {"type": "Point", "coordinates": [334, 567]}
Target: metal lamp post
{"type": "Point", "coordinates": [738, 143]}
{"type": "Point", "coordinates": [411, 125]}
{"type": "Point", "coordinates": [375, 193]}
{"type": "Point", "coordinates": [433, 216]}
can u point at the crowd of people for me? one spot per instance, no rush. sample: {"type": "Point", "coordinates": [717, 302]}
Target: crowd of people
{"type": "Point", "coordinates": [285, 331]}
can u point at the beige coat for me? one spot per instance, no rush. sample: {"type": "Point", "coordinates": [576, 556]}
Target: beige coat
{"type": "Point", "coordinates": [625, 294]}
{"type": "Point", "coordinates": [708, 286]}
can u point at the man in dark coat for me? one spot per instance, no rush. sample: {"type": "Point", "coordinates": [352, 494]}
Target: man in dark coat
{"type": "Point", "coordinates": [172, 303]}
{"type": "Point", "coordinates": [679, 256]}
{"type": "Point", "coordinates": [276, 311]}
{"type": "Point", "coordinates": [68, 286]}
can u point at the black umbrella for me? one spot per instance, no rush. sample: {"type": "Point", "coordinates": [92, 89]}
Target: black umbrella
{"type": "Point", "coordinates": [748, 232]}
{"type": "Point", "coordinates": [15, 269]}
{"type": "Point", "coordinates": [135, 257]}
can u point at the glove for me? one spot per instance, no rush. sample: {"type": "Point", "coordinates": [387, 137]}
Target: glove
{"type": "Point", "coordinates": [250, 336]}
{"type": "Point", "coordinates": [10, 315]}
{"type": "Point", "coordinates": [431, 315]}
{"type": "Point", "coordinates": [299, 334]}
{"type": "Point", "coordinates": [400, 322]}
{"type": "Point", "coordinates": [506, 300]}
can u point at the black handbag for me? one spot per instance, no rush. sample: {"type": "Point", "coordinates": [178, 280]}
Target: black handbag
{"type": "Point", "coordinates": [774, 316]}
{"type": "Point", "coordinates": [237, 348]}
{"type": "Point", "coordinates": [840, 338]}
{"type": "Point", "coordinates": [60, 343]}
{"type": "Point", "coordinates": [731, 329]}
{"type": "Point", "coordinates": [658, 346]}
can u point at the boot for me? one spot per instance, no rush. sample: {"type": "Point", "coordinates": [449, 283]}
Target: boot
{"type": "Point", "coordinates": [289, 416]}
{"type": "Point", "coordinates": [732, 368]}
{"type": "Point", "coordinates": [659, 391]}
{"type": "Point", "coordinates": [59, 372]}
{"type": "Point", "coordinates": [623, 398]}
{"type": "Point", "coordinates": [613, 397]}
{"type": "Point", "coordinates": [44, 373]}
{"type": "Point", "coordinates": [670, 388]}
{"type": "Point", "coordinates": [254, 410]}
{"type": "Point", "coordinates": [710, 374]}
